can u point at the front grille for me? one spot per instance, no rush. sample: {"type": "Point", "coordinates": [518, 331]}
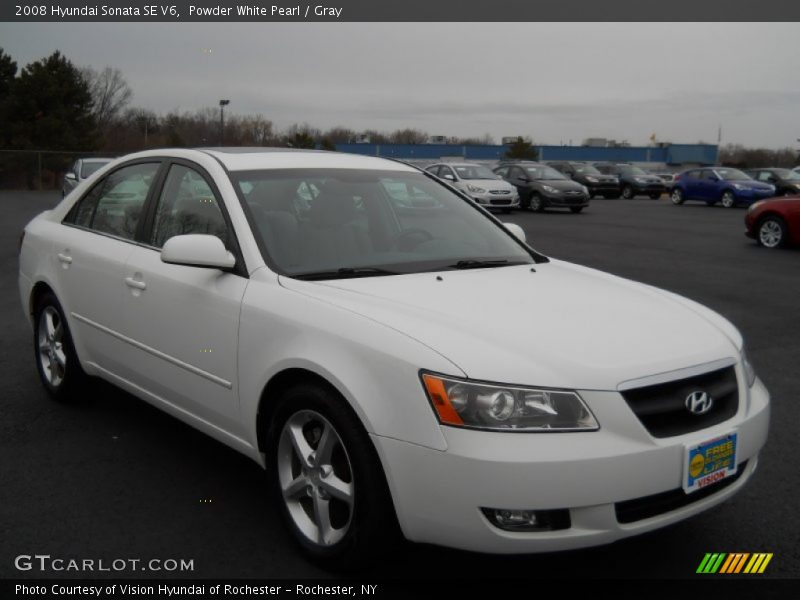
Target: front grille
{"type": "Point", "coordinates": [637, 509]}
{"type": "Point", "coordinates": [662, 408]}
{"type": "Point", "coordinates": [500, 192]}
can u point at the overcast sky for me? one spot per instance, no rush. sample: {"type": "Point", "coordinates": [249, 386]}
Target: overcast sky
{"type": "Point", "coordinates": [555, 82]}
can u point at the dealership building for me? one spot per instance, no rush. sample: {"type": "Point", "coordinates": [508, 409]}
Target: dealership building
{"type": "Point", "coordinates": [668, 156]}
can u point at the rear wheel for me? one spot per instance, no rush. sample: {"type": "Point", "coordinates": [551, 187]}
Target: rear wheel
{"type": "Point", "coordinates": [677, 196]}
{"type": "Point", "coordinates": [728, 199]}
{"type": "Point", "coordinates": [772, 232]}
{"type": "Point", "coordinates": [536, 203]}
{"type": "Point", "coordinates": [627, 192]}
{"type": "Point", "coordinates": [328, 479]}
{"type": "Point", "coordinates": [56, 360]}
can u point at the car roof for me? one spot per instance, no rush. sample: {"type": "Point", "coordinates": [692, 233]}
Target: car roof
{"type": "Point", "coordinates": [257, 158]}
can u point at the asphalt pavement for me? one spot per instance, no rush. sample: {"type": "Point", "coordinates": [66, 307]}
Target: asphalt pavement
{"type": "Point", "coordinates": [111, 477]}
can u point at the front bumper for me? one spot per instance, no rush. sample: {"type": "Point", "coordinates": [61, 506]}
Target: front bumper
{"type": "Point", "coordinates": [604, 189]}
{"type": "Point", "coordinates": [564, 200]}
{"type": "Point", "coordinates": [438, 495]}
{"type": "Point", "coordinates": [490, 200]}
{"type": "Point", "coordinates": [748, 196]}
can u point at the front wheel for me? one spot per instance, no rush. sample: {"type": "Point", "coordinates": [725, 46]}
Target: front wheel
{"type": "Point", "coordinates": [677, 196]}
{"type": "Point", "coordinates": [537, 204]}
{"type": "Point", "coordinates": [627, 192]}
{"type": "Point", "coordinates": [328, 478]}
{"type": "Point", "coordinates": [56, 360]}
{"type": "Point", "coordinates": [772, 232]}
{"type": "Point", "coordinates": [728, 199]}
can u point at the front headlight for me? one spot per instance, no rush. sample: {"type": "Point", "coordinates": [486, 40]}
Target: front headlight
{"type": "Point", "coordinates": [550, 189]}
{"type": "Point", "coordinates": [462, 403]}
{"type": "Point", "coordinates": [749, 371]}
{"type": "Point", "coordinates": [591, 179]}
{"type": "Point", "coordinates": [585, 190]}
{"type": "Point", "coordinates": [740, 186]}
{"type": "Point", "coordinates": [640, 180]}
{"type": "Point", "coordinates": [754, 205]}
{"type": "Point", "coordinates": [475, 188]}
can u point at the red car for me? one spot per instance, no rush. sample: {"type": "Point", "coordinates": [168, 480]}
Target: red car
{"type": "Point", "coordinates": [775, 222]}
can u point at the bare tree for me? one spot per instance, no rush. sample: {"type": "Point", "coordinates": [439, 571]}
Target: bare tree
{"type": "Point", "coordinates": [110, 94]}
{"type": "Point", "coordinates": [408, 136]}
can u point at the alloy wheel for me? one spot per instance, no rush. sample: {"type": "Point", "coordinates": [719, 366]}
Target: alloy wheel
{"type": "Point", "coordinates": [770, 234]}
{"type": "Point", "coordinates": [728, 200]}
{"type": "Point", "coordinates": [316, 478]}
{"type": "Point", "coordinates": [50, 344]}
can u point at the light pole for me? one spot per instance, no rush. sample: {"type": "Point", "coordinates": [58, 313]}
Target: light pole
{"type": "Point", "coordinates": [222, 105]}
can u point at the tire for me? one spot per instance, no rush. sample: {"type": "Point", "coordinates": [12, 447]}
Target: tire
{"type": "Point", "coordinates": [343, 483]}
{"type": "Point", "coordinates": [576, 209]}
{"type": "Point", "coordinates": [772, 232]}
{"type": "Point", "coordinates": [536, 203]}
{"type": "Point", "coordinates": [57, 361]}
{"type": "Point", "coordinates": [627, 192]}
{"type": "Point", "coordinates": [677, 197]}
{"type": "Point", "coordinates": [728, 199]}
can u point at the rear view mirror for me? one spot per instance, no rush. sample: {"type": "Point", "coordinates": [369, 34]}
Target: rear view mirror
{"type": "Point", "coordinates": [516, 231]}
{"type": "Point", "coordinates": [71, 176]}
{"type": "Point", "coordinates": [448, 177]}
{"type": "Point", "coordinates": [197, 250]}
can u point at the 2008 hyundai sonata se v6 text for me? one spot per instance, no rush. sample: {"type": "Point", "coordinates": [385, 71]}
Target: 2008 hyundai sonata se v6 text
{"type": "Point", "coordinates": [392, 364]}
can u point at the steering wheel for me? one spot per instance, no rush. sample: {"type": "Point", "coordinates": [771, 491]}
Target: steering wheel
{"type": "Point", "coordinates": [408, 239]}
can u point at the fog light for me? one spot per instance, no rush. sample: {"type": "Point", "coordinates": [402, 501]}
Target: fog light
{"type": "Point", "coordinates": [528, 520]}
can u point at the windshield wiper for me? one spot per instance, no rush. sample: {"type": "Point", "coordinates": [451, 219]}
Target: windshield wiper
{"type": "Point", "coordinates": [344, 273]}
{"type": "Point", "coordinates": [481, 264]}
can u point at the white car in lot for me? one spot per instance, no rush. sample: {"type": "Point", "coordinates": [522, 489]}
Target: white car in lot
{"type": "Point", "coordinates": [479, 183]}
{"type": "Point", "coordinates": [366, 351]}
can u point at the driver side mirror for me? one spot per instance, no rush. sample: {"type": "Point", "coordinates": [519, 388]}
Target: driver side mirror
{"type": "Point", "coordinates": [449, 177]}
{"type": "Point", "coordinates": [516, 231]}
{"type": "Point", "coordinates": [71, 176]}
{"type": "Point", "coordinates": [197, 250]}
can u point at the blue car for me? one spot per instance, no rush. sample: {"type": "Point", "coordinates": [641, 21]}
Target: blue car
{"type": "Point", "coordinates": [719, 184]}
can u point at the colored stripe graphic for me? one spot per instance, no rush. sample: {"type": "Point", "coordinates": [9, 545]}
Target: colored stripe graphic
{"type": "Point", "coordinates": [734, 562]}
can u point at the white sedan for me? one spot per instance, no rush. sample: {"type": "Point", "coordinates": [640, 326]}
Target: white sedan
{"type": "Point", "coordinates": [295, 306]}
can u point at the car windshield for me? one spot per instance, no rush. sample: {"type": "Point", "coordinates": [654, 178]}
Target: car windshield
{"type": "Point", "coordinates": [786, 174]}
{"type": "Point", "coordinates": [474, 172]}
{"type": "Point", "coordinates": [545, 173]}
{"type": "Point", "coordinates": [87, 168]}
{"type": "Point", "coordinates": [731, 174]}
{"type": "Point", "coordinates": [329, 223]}
{"type": "Point", "coordinates": [587, 170]}
{"type": "Point", "coordinates": [634, 171]}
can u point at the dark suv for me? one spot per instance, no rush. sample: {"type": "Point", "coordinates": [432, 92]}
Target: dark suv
{"type": "Point", "coordinates": [541, 186]}
{"type": "Point", "coordinates": [786, 182]}
{"type": "Point", "coordinates": [597, 183]}
{"type": "Point", "coordinates": [634, 181]}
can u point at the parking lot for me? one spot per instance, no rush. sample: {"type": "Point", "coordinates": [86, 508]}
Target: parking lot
{"type": "Point", "coordinates": [113, 477]}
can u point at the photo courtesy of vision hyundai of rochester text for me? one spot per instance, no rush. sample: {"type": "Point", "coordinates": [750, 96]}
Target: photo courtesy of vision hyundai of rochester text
{"type": "Point", "coordinates": [323, 314]}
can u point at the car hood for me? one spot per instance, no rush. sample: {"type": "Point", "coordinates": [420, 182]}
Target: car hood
{"type": "Point", "coordinates": [560, 326]}
{"type": "Point", "coordinates": [559, 184]}
{"type": "Point", "coordinates": [752, 184]}
{"type": "Point", "coordinates": [489, 184]}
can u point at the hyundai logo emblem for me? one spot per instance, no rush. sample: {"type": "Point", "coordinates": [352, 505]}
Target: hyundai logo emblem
{"type": "Point", "coordinates": [699, 403]}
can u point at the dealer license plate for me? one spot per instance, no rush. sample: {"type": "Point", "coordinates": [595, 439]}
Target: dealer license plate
{"type": "Point", "coordinates": [709, 462]}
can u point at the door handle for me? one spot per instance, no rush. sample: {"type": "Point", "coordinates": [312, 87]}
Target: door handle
{"type": "Point", "coordinates": [64, 258]}
{"type": "Point", "coordinates": [135, 283]}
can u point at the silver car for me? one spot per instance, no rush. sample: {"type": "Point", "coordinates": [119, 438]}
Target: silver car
{"type": "Point", "coordinates": [479, 183]}
{"type": "Point", "coordinates": [81, 170]}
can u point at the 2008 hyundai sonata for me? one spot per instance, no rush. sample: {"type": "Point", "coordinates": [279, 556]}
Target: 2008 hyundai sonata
{"type": "Point", "coordinates": [391, 353]}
